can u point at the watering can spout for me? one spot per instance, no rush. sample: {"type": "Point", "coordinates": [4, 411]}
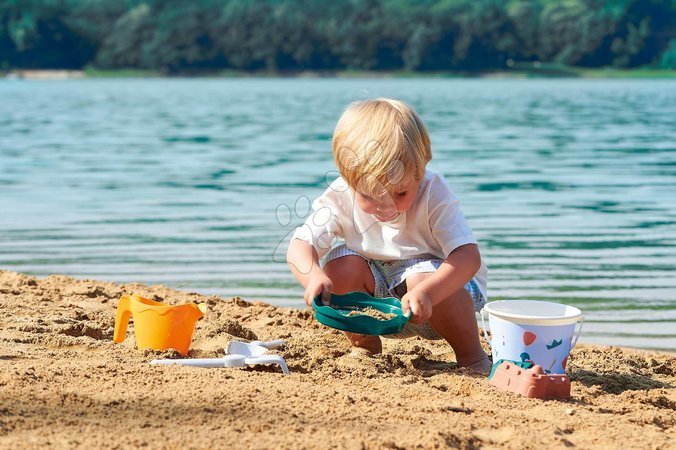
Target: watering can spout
{"type": "Point", "coordinates": [202, 308]}
{"type": "Point", "coordinates": [194, 311]}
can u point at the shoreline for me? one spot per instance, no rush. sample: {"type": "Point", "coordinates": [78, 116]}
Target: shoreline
{"type": "Point", "coordinates": [65, 383]}
{"type": "Point", "coordinates": [590, 340]}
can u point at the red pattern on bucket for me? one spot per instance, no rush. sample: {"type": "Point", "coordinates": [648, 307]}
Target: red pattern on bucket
{"type": "Point", "coordinates": [528, 338]}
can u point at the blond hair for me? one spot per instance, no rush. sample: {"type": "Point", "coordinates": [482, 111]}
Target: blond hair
{"type": "Point", "coordinates": [380, 143]}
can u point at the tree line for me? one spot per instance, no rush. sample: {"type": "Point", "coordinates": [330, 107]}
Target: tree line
{"type": "Point", "coordinates": [294, 35]}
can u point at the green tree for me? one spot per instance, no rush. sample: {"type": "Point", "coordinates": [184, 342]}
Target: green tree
{"type": "Point", "coordinates": [644, 29]}
{"type": "Point", "coordinates": [667, 59]}
{"type": "Point", "coordinates": [123, 45]}
{"type": "Point", "coordinates": [569, 31]}
{"type": "Point", "coordinates": [291, 35]}
{"type": "Point", "coordinates": [37, 36]}
{"type": "Point", "coordinates": [182, 37]}
{"type": "Point", "coordinates": [525, 18]}
{"type": "Point", "coordinates": [486, 38]}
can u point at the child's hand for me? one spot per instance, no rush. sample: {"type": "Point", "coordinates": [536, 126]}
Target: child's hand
{"type": "Point", "coordinates": [419, 304]}
{"type": "Point", "coordinates": [319, 284]}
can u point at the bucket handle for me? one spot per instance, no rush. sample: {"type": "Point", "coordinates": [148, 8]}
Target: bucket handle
{"type": "Point", "coordinates": [483, 325]}
{"type": "Point", "coordinates": [577, 335]}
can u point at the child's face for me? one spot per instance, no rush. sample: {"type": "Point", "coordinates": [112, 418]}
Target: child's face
{"type": "Point", "coordinates": [388, 207]}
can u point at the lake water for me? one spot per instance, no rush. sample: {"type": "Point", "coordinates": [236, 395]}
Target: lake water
{"type": "Point", "coordinates": [569, 185]}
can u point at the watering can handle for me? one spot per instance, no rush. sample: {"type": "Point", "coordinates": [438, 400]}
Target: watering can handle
{"type": "Point", "coordinates": [577, 335]}
{"type": "Point", "coordinates": [122, 318]}
{"type": "Point", "coordinates": [483, 325]}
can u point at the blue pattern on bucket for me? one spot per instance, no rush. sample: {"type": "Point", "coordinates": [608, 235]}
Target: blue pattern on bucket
{"type": "Point", "coordinates": [555, 343]}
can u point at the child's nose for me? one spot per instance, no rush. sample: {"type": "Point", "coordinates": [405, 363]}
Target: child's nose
{"type": "Point", "coordinates": [387, 206]}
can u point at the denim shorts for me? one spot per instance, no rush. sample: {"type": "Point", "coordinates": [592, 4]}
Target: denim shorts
{"type": "Point", "coordinates": [388, 275]}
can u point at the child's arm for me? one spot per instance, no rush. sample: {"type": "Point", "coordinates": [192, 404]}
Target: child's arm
{"type": "Point", "coordinates": [453, 274]}
{"type": "Point", "coordinates": [304, 263]}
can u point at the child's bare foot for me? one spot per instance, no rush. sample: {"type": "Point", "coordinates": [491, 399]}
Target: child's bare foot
{"type": "Point", "coordinates": [370, 344]}
{"type": "Point", "coordinates": [479, 364]}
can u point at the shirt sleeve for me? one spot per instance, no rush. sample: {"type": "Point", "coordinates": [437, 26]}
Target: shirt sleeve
{"type": "Point", "coordinates": [447, 222]}
{"type": "Point", "coordinates": [323, 226]}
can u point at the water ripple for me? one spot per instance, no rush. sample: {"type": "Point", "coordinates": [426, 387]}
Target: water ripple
{"type": "Point", "coordinates": [568, 184]}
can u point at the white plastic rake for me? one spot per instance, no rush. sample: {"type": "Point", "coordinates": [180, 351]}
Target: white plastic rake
{"type": "Point", "coordinates": [237, 354]}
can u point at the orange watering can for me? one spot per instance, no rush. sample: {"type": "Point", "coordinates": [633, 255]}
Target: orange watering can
{"type": "Point", "coordinates": [156, 325]}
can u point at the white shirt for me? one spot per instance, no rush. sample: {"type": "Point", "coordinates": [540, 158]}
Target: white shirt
{"type": "Point", "coordinates": [432, 227]}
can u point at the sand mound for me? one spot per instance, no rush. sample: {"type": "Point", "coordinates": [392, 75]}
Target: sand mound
{"type": "Point", "coordinates": [63, 382]}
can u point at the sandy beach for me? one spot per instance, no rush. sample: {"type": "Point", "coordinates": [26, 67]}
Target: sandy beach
{"type": "Point", "coordinates": [64, 383]}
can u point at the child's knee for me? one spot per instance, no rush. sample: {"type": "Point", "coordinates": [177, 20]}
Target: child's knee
{"type": "Point", "coordinates": [350, 273]}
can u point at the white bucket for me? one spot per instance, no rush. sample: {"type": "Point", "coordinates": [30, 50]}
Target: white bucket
{"type": "Point", "coordinates": [533, 331]}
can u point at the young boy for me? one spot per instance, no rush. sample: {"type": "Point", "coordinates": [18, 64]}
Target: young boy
{"type": "Point", "coordinates": [402, 232]}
